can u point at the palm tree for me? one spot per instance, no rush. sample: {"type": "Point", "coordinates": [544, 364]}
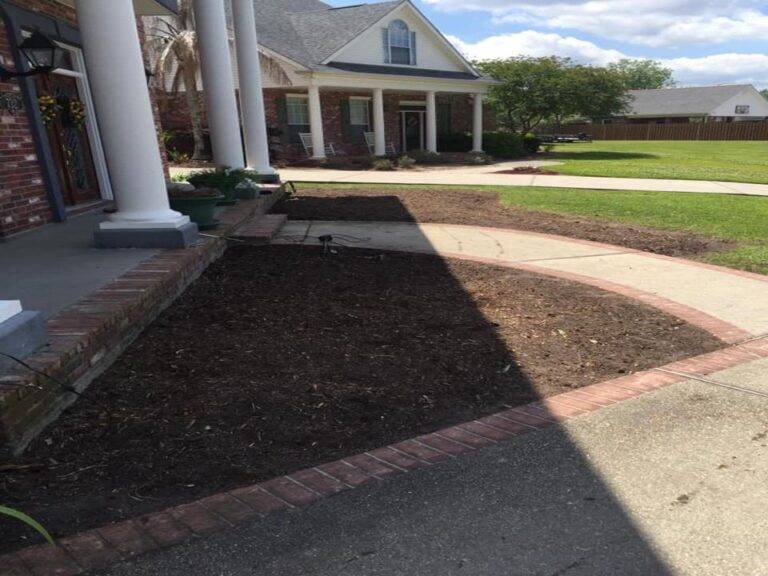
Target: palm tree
{"type": "Point", "coordinates": [176, 62]}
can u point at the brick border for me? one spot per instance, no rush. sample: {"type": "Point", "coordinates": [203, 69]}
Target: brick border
{"type": "Point", "coordinates": [101, 547]}
{"type": "Point", "coordinates": [86, 337]}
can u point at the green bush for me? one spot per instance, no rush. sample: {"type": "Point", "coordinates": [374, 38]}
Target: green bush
{"type": "Point", "coordinates": [531, 143]}
{"type": "Point", "coordinates": [455, 142]}
{"type": "Point", "coordinates": [348, 163]}
{"type": "Point", "coordinates": [405, 162]}
{"type": "Point", "coordinates": [506, 145]}
{"type": "Point", "coordinates": [383, 164]}
{"type": "Point", "coordinates": [426, 157]}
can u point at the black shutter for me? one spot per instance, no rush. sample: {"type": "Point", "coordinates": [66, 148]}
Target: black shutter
{"type": "Point", "coordinates": [346, 127]}
{"type": "Point", "coordinates": [444, 120]}
{"type": "Point", "coordinates": [282, 119]}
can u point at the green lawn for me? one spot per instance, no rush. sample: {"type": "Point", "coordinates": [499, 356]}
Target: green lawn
{"type": "Point", "coordinates": [740, 218]}
{"type": "Point", "coordinates": [737, 161]}
{"type": "Point", "coordinates": [743, 219]}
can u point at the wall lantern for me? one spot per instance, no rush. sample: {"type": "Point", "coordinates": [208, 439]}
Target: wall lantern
{"type": "Point", "coordinates": [40, 52]}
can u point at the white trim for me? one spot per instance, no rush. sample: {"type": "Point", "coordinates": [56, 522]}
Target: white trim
{"type": "Point", "coordinates": [360, 81]}
{"type": "Point", "coordinates": [91, 124]}
{"type": "Point", "coordinates": [412, 103]}
{"type": "Point", "coordinates": [424, 20]}
{"type": "Point", "coordinates": [359, 97]}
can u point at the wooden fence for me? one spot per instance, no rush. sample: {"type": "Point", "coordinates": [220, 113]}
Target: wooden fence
{"type": "Point", "coordinates": [695, 131]}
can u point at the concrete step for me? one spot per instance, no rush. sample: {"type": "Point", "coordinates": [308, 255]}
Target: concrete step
{"type": "Point", "coordinates": [262, 229]}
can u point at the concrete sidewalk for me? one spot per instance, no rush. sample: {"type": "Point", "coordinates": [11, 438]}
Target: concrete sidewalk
{"type": "Point", "coordinates": [696, 292]}
{"type": "Point", "coordinates": [670, 483]}
{"type": "Point", "coordinates": [489, 176]}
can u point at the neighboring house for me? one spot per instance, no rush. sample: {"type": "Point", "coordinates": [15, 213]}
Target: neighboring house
{"type": "Point", "coordinates": [53, 168]}
{"type": "Point", "coordinates": [345, 69]}
{"type": "Point", "coordinates": [728, 103]}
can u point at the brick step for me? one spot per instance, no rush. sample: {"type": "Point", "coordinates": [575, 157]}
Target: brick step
{"type": "Point", "coordinates": [261, 229]}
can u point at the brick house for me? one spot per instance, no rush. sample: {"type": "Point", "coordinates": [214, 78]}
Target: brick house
{"type": "Point", "coordinates": [50, 168]}
{"type": "Point", "coordinates": [380, 68]}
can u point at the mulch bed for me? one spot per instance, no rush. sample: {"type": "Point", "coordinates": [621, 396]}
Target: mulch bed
{"type": "Point", "coordinates": [527, 170]}
{"type": "Point", "coordinates": [452, 206]}
{"type": "Point", "coordinates": [282, 357]}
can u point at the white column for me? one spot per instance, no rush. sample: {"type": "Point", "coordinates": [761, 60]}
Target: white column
{"type": "Point", "coordinates": [431, 122]}
{"type": "Point", "coordinates": [477, 124]}
{"type": "Point", "coordinates": [218, 83]}
{"type": "Point", "coordinates": [251, 94]}
{"type": "Point", "coordinates": [380, 142]}
{"type": "Point", "coordinates": [316, 123]}
{"type": "Point", "coordinates": [127, 125]}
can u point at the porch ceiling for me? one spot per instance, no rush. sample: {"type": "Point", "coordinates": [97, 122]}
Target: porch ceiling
{"type": "Point", "coordinates": [144, 7]}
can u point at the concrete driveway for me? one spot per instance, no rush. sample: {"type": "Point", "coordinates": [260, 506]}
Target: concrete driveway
{"type": "Point", "coordinates": [670, 483]}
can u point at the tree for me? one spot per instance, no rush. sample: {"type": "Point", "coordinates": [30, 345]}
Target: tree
{"type": "Point", "coordinates": [643, 74]}
{"type": "Point", "coordinates": [537, 90]}
{"type": "Point", "coordinates": [177, 62]}
{"type": "Point", "coordinates": [597, 93]}
{"type": "Point", "coordinates": [764, 93]}
{"type": "Point", "coordinates": [531, 90]}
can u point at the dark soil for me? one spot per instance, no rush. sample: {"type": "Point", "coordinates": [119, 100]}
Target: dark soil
{"type": "Point", "coordinates": [282, 357]}
{"type": "Point", "coordinates": [452, 206]}
{"type": "Point", "coordinates": [527, 170]}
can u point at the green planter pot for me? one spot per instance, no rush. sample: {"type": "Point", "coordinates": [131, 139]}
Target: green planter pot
{"type": "Point", "coordinates": [199, 210]}
{"type": "Point", "coordinates": [229, 197]}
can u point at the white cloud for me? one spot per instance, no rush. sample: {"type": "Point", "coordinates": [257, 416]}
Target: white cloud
{"type": "Point", "coordinates": [730, 68]}
{"type": "Point", "coordinates": [647, 22]}
{"type": "Point", "coordinates": [533, 43]}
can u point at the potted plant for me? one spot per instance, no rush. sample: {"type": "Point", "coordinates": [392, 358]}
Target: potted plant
{"type": "Point", "coordinates": [222, 179]}
{"type": "Point", "coordinates": [197, 203]}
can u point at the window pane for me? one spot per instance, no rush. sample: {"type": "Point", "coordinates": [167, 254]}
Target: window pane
{"type": "Point", "coordinates": [298, 111]}
{"type": "Point", "coordinates": [401, 55]}
{"type": "Point", "coordinates": [358, 112]}
{"type": "Point", "coordinates": [399, 34]}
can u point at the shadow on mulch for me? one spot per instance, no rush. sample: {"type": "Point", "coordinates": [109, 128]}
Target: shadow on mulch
{"type": "Point", "coordinates": [452, 206]}
{"type": "Point", "coordinates": [283, 357]}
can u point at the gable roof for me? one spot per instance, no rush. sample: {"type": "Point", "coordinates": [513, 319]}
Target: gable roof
{"type": "Point", "coordinates": [325, 31]}
{"type": "Point", "coordinates": [311, 33]}
{"type": "Point", "coordinates": [681, 101]}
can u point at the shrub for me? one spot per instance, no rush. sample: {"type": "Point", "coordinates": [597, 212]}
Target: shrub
{"type": "Point", "coordinates": [504, 144]}
{"type": "Point", "coordinates": [348, 163]}
{"type": "Point", "coordinates": [405, 162]}
{"type": "Point", "coordinates": [222, 179]}
{"type": "Point", "coordinates": [480, 159]}
{"type": "Point", "coordinates": [531, 143]}
{"type": "Point", "coordinates": [455, 142]}
{"type": "Point", "coordinates": [426, 157]}
{"type": "Point", "coordinates": [383, 164]}
{"type": "Point", "coordinates": [179, 192]}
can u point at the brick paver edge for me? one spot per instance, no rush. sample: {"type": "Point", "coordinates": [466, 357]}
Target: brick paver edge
{"type": "Point", "coordinates": [101, 547]}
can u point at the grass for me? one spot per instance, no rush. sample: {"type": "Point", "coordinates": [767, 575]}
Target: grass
{"type": "Point", "coordinates": [743, 219]}
{"type": "Point", "coordinates": [730, 161]}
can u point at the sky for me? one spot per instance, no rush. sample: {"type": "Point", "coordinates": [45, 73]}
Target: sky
{"type": "Point", "coordinates": [703, 41]}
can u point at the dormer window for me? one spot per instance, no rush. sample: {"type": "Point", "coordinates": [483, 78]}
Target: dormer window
{"type": "Point", "coordinates": [399, 44]}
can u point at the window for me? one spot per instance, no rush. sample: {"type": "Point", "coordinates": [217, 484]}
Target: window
{"type": "Point", "coordinates": [298, 110]}
{"type": "Point", "coordinates": [399, 43]}
{"type": "Point", "coordinates": [742, 109]}
{"type": "Point", "coordinates": [358, 112]}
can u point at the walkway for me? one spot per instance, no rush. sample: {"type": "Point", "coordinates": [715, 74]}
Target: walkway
{"type": "Point", "coordinates": [729, 303]}
{"type": "Point", "coordinates": [489, 176]}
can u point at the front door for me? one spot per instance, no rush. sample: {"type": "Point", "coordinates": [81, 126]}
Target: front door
{"type": "Point", "coordinates": [413, 130]}
{"type": "Point", "coordinates": [65, 110]}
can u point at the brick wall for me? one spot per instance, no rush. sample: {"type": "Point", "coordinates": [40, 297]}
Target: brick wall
{"type": "Point", "coordinates": [175, 116]}
{"type": "Point", "coordinates": [24, 200]}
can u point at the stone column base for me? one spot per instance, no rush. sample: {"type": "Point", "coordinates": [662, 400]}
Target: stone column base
{"type": "Point", "coordinates": [183, 236]}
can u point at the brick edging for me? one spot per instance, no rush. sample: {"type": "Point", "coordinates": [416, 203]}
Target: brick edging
{"type": "Point", "coordinates": [101, 547]}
